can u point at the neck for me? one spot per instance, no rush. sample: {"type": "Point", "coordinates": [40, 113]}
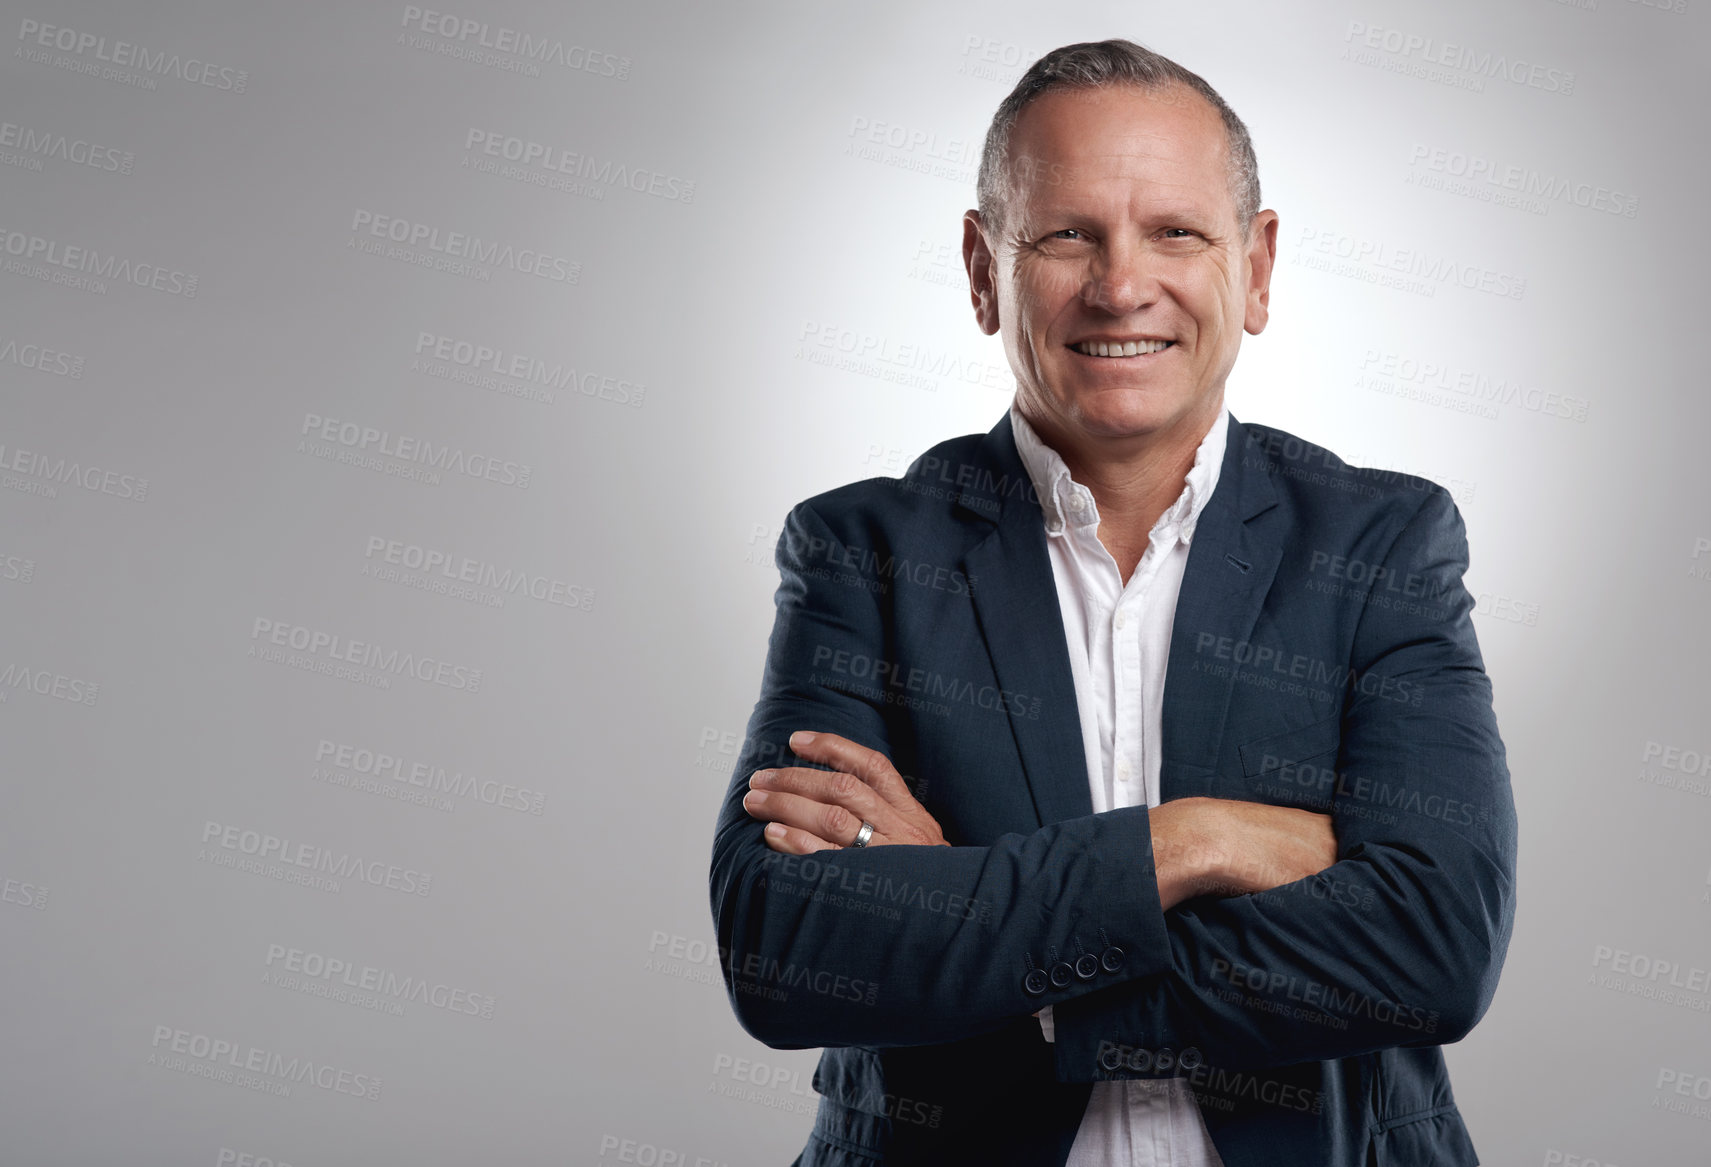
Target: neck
{"type": "Point", "coordinates": [1134, 478]}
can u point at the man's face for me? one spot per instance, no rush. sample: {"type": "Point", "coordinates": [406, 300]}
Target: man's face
{"type": "Point", "coordinates": [1121, 227]}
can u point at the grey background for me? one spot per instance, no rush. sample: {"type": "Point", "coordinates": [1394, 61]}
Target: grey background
{"type": "Point", "coordinates": [809, 167]}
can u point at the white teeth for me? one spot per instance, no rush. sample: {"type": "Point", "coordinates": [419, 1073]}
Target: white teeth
{"type": "Point", "coordinates": [1129, 348]}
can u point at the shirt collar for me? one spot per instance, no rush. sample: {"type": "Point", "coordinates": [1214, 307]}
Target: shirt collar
{"type": "Point", "coordinates": [1064, 502]}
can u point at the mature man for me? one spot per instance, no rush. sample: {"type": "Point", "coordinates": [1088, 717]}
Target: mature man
{"type": "Point", "coordinates": [1209, 842]}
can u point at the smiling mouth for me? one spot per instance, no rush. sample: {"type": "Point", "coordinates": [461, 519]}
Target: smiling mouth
{"type": "Point", "coordinates": [1127, 348]}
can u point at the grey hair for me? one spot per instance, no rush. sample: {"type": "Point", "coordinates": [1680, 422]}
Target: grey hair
{"type": "Point", "coordinates": [1092, 65]}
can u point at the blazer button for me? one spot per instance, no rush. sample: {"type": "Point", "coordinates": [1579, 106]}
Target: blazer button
{"type": "Point", "coordinates": [1111, 1058]}
{"type": "Point", "coordinates": [1086, 965]}
{"type": "Point", "coordinates": [1165, 1060]}
{"type": "Point", "coordinates": [1190, 1059]}
{"type": "Point", "coordinates": [1034, 983]}
{"type": "Point", "coordinates": [1111, 959]}
{"type": "Point", "coordinates": [1062, 974]}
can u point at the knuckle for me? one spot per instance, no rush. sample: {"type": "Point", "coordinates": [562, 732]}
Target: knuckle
{"type": "Point", "coordinates": [836, 822]}
{"type": "Point", "coordinates": [844, 786]}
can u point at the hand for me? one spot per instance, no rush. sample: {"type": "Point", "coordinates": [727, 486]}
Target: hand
{"type": "Point", "coordinates": [1223, 847]}
{"type": "Point", "coordinates": [815, 810]}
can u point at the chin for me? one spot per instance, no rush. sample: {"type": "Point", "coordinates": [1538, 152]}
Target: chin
{"type": "Point", "coordinates": [1116, 413]}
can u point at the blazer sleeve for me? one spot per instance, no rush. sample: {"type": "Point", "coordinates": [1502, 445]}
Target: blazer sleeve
{"type": "Point", "coordinates": [1400, 941]}
{"type": "Point", "coordinates": [902, 945]}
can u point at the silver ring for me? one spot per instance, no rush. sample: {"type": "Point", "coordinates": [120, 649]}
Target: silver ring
{"type": "Point", "coordinates": [863, 835]}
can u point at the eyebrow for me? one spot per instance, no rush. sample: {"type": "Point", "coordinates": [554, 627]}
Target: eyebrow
{"type": "Point", "coordinates": [1162, 215]}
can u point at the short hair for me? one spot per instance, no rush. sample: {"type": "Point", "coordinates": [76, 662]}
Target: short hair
{"type": "Point", "coordinates": [1093, 65]}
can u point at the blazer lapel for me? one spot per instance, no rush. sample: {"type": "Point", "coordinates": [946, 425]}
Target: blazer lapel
{"type": "Point", "coordinates": [1234, 556]}
{"type": "Point", "coordinates": [1015, 603]}
{"type": "Point", "coordinates": [1237, 545]}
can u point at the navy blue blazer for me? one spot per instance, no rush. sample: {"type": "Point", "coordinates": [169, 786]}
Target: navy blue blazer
{"type": "Point", "coordinates": [1322, 656]}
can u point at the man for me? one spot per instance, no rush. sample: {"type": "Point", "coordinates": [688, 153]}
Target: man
{"type": "Point", "coordinates": [1208, 842]}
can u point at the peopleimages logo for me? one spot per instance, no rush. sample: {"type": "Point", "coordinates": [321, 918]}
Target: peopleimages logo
{"type": "Point", "coordinates": [46, 683]}
{"type": "Point", "coordinates": [455, 568]}
{"type": "Point", "coordinates": [317, 974]}
{"type": "Point", "coordinates": [470, 36]}
{"type": "Point", "coordinates": [35, 255]}
{"type": "Point", "coordinates": [572, 163]}
{"type": "Point", "coordinates": [1478, 171]}
{"type": "Point", "coordinates": [40, 473]}
{"type": "Point", "coordinates": [241, 1064]}
{"type": "Point", "coordinates": [41, 359]}
{"type": "Point", "coordinates": [36, 36]}
{"type": "Point", "coordinates": [399, 771]}
{"type": "Point", "coordinates": [1422, 54]}
{"type": "Point", "coordinates": [460, 245]}
{"type": "Point", "coordinates": [456, 359]}
{"type": "Point", "coordinates": [1377, 261]}
{"type": "Point", "coordinates": [78, 151]}
{"type": "Point", "coordinates": [865, 352]}
{"type": "Point", "coordinates": [264, 847]}
{"type": "Point", "coordinates": [420, 451]}
{"type": "Point", "coordinates": [329, 647]}
{"type": "Point", "coordinates": [1407, 369]}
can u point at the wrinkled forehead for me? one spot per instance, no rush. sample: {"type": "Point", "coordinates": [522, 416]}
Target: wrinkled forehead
{"type": "Point", "coordinates": [1075, 145]}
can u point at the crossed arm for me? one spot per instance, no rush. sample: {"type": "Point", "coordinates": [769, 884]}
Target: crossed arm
{"type": "Point", "coordinates": [1201, 846]}
{"type": "Point", "coordinates": [1279, 970]}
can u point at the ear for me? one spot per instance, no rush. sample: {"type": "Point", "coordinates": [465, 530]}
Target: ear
{"type": "Point", "coordinates": [1261, 258]}
{"type": "Point", "coordinates": [978, 259]}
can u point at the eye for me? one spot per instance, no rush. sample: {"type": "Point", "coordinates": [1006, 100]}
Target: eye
{"type": "Point", "coordinates": [1067, 233]}
{"type": "Point", "coordinates": [1177, 233]}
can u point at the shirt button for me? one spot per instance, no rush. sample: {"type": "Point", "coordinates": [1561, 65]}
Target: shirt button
{"type": "Point", "coordinates": [1123, 772]}
{"type": "Point", "coordinates": [1120, 621]}
{"type": "Point", "coordinates": [1077, 503]}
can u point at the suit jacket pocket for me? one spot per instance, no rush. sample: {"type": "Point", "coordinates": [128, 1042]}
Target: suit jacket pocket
{"type": "Point", "coordinates": [1438, 1137]}
{"type": "Point", "coordinates": [1296, 767]}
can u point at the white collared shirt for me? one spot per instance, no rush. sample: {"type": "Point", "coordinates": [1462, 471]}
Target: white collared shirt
{"type": "Point", "coordinates": [1119, 642]}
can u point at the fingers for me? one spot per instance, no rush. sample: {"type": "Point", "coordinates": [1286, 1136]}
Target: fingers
{"type": "Point", "coordinates": [871, 766]}
{"type": "Point", "coordinates": [793, 841]}
{"type": "Point", "coordinates": [828, 807]}
{"type": "Point", "coordinates": [826, 822]}
{"type": "Point", "coordinates": [832, 788]}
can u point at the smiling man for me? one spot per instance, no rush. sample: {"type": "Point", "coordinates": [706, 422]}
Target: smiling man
{"type": "Point", "coordinates": [1208, 842]}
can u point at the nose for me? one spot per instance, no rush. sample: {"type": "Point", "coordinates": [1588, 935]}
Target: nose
{"type": "Point", "coordinates": [1121, 279]}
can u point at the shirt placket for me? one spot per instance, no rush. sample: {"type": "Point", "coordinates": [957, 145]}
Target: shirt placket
{"type": "Point", "coordinates": [1155, 1117]}
{"type": "Point", "coordinates": [1102, 587]}
{"type": "Point", "coordinates": [1128, 695]}
{"type": "Point", "coordinates": [1152, 1141]}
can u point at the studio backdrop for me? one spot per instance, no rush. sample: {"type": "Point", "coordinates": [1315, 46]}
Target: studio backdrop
{"type": "Point", "coordinates": [398, 411]}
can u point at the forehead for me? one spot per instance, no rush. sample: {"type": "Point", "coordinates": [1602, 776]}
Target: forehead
{"type": "Point", "coordinates": [1075, 143]}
